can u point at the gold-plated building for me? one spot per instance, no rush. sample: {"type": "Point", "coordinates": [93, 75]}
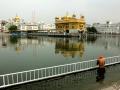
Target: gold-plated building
{"type": "Point", "coordinates": [17, 19]}
{"type": "Point", "coordinates": [70, 24]}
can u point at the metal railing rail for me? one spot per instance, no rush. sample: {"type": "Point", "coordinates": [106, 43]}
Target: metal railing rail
{"type": "Point", "coordinates": [49, 72]}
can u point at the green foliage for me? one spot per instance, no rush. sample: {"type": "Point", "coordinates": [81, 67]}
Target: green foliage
{"type": "Point", "coordinates": [91, 30]}
{"type": "Point", "coordinates": [12, 28]}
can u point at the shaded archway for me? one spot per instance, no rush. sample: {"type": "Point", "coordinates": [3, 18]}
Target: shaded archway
{"type": "Point", "coordinates": [67, 31]}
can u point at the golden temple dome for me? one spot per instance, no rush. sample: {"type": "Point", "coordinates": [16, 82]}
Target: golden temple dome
{"type": "Point", "coordinates": [16, 18]}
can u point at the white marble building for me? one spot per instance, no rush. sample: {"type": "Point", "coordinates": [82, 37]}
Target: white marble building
{"type": "Point", "coordinates": [43, 26]}
{"type": "Point", "coordinates": [28, 27]}
{"type": "Point", "coordinates": [108, 28]}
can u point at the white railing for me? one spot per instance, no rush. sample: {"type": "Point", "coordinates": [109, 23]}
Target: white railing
{"type": "Point", "coordinates": [49, 72]}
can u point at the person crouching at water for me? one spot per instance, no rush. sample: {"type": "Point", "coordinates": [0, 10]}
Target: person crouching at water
{"type": "Point", "coordinates": [101, 68]}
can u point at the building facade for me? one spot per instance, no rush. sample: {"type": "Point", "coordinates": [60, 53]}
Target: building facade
{"type": "Point", "coordinates": [28, 27]}
{"type": "Point", "coordinates": [70, 24]}
{"type": "Point", "coordinates": [43, 26]}
{"type": "Point", "coordinates": [108, 28]}
{"type": "Point", "coordinates": [3, 24]}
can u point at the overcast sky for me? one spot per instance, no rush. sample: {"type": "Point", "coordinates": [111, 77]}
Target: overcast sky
{"type": "Point", "coordinates": [46, 10]}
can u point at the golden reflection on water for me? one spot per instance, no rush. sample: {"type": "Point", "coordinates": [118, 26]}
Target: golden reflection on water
{"type": "Point", "coordinates": [69, 47]}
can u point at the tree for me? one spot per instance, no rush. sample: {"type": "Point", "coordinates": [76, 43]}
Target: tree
{"type": "Point", "coordinates": [3, 22]}
{"type": "Point", "coordinates": [91, 30]}
{"type": "Point", "coordinates": [12, 28]}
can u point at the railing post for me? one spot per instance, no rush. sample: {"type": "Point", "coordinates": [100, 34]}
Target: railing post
{"type": "Point", "coordinates": [21, 77]}
{"type": "Point", "coordinates": [3, 80]}
{"type": "Point", "coordinates": [38, 73]}
{"type": "Point", "coordinates": [17, 78]}
{"type": "Point", "coordinates": [12, 79]}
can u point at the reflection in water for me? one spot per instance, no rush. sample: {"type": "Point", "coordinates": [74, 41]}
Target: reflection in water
{"type": "Point", "coordinates": [13, 39]}
{"type": "Point", "coordinates": [3, 40]}
{"type": "Point", "coordinates": [108, 42]}
{"type": "Point", "coordinates": [65, 46]}
{"type": "Point", "coordinates": [70, 47]}
{"type": "Point", "coordinates": [91, 39]}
